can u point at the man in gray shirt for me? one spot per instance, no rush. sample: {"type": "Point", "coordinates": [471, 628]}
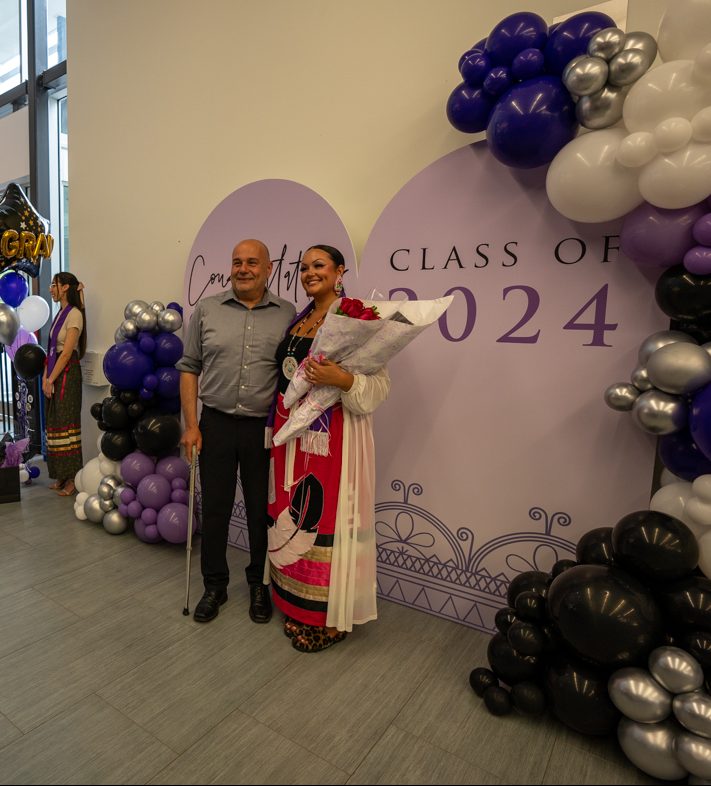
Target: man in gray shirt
{"type": "Point", "coordinates": [232, 340]}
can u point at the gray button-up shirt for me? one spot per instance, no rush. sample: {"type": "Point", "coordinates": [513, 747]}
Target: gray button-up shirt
{"type": "Point", "coordinates": [233, 347]}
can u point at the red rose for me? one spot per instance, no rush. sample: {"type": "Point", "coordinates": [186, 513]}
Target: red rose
{"type": "Point", "coordinates": [369, 314]}
{"type": "Point", "coordinates": [351, 307]}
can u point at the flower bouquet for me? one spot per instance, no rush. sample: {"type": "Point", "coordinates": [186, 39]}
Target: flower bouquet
{"type": "Point", "coordinates": [361, 337]}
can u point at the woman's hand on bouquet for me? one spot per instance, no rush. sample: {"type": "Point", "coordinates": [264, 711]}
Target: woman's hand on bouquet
{"type": "Point", "coordinates": [326, 372]}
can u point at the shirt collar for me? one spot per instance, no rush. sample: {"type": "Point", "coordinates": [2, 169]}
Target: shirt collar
{"type": "Point", "coordinates": [267, 299]}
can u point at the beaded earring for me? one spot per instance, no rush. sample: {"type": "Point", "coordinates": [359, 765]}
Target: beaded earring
{"type": "Point", "coordinates": [338, 286]}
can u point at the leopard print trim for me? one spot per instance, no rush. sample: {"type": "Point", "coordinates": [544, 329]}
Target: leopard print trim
{"type": "Point", "coordinates": [313, 639]}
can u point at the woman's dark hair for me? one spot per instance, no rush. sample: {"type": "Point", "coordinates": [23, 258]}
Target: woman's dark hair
{"type": "Point", "coordinates": [74, 298]}
{"type": "Point", "coordinates": [334, 253]}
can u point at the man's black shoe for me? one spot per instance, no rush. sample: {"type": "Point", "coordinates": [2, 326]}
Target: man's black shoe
{"type": "Point", "coordinates": [260, 604]}
{"type": "Point", "coordinates": [209, 606]}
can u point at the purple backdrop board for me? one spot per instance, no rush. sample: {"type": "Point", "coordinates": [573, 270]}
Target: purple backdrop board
{"type": "Point", "coordinates": [288, 217]}
{"type": "Point", "coordinates": [495, 450]}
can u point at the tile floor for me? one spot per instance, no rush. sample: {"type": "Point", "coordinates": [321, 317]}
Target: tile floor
{"type": "Point", "coordinates": [103, 680]}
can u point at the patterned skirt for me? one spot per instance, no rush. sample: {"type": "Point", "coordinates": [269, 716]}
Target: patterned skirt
{"type": "Point", "coordinates": [63, 423]}
{"type": "Point", "coordinates": [301, 539]}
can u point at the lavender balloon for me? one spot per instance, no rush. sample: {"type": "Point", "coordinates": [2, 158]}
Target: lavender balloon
{"type": "Point", "coordinates": [127, 496]}
{"type": "Point", "coordinates": [179, 495]}
{"type": "Point", "coordinates": [697, 260]}
{"type": "Point", "coordinates": [702, 230]}
{"type": "Point", "coordinates": [149, 516]}
{"type": "Point", "coordinates": [153, 491]}
{"type": "Point", "coordinates": [136, 466]}
{"type": "Point", "coordinates": [23, 337]}
{"type": "Point", "coordinates": [178, 483]}
{"type": "Point", "coordinates": [173, 522]}
{"type": "Point", "coordinates": [134, 509]}
{"type": "Point", "coordinates": [147, 533]}
{"type": "Point", "coordinates": [173, 468]}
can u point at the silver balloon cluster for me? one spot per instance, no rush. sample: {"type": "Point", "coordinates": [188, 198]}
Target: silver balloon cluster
{"type": "Point", "coordinates": [671, 366]}
{"type": "Point", "coordinates": [666, 731]}
{"type": "Point", "coordinates": [102, 507]}
{"type": "Point", "coordinates": [140, 316]}
{"type": "Point", "coordinates": [601, 78]}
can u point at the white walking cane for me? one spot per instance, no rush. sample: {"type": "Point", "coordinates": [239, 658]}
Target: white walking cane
{"type": "Point", "coordinates": [189, 544]}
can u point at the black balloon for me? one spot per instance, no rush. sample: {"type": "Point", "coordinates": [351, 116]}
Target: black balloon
{"type": "Point", "coordinates": [526, 638]}
{"type": "Point", "coordinates": [577, 695]}
{"type": "Point", "coordinates": [684, 296]}
{"type": "Point", "coordinates": [561, 565]}
{"type": "Point", "coordinates": [114, 390]}
{"type": "Point", "coordinates": [595, 547]}
{"type": "Point", "coordinates": [508, 665]}
{"type": "Point", "coordinates": [654, 546]}
{"type": "Point", "coordinates": [698, 643]}
{"type": "Point", "coordinates": [530, 580]}
{"type": "Point", "coordinates": [528, 698]}
{"type": "Point", "coordinates": [157, 435]}
{"type": "Point", "coordinates": [96, 410]}
{"type": "Point", "coordinates": [505, 618]}
{"type": "Point", "coordinates": [686, 604]}
{"type": "Point", "coordinates": [128, 396]}
{"type": "Point", "coordinates": [605, 615]}
{"type": "Point", "coordinates": [480, 679]}
{"type": "Point", "coordinates": [114, 414]}
{"type": "Point", "coordinates": [29, 361]}
{"type": "Point", "coordinates": [531, 606]}
{"type": "Point", "coordinates": [116, 445]}
{"type": "Point", "coordinates": [497, 700]}
{"type": "Point", "coordinates": [136, 409]}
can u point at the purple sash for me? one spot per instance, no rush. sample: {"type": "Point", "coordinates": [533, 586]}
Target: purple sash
{"type": "Point", "coordinates": [53, 334]}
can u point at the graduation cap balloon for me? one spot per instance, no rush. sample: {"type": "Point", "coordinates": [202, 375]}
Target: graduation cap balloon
{"type": "Point", "coordinates": [24, 236]}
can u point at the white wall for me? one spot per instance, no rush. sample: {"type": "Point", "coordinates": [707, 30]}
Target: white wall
{"type": "Point", "coordinates": [15, 148]}
{"type": "Point", "coordinates": [174, 104]}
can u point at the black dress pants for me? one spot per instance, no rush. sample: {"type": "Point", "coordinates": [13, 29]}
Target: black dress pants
{"type": "Point", "coordinates": [231, 443]}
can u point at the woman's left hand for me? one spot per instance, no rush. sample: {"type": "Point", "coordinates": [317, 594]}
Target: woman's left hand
{"type": "Point", "coordinates": [47, 388]}
{"type": "Point", "coordinates": [326, 372]}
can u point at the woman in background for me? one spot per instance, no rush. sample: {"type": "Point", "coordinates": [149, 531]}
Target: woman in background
{"type": "Point", "coordinates": [61, 383]}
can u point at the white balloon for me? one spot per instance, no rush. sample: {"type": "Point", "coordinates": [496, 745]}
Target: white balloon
{"type": "Point", "coordinates": [684, 29]}
{"type": "Point", "coordinates": [698, 511]}
{"type": "Point", "coordinates": [637, 149]}
{"type": "Point", "coordinates": [702, 65]}
{"type": "Point", "coordinates": [91, 476]}
{"type": "Point", "coordinates": [701, 487]}
{"type": "Point", "coordinates": [80, 498]}
{"type": "Point", "coordinates": [24, 475]}
{"type": "Point", "coordinates": [108, 467]}
{"type": "Point", "coordinates": [33, 312]}
{"type": "Point", "coordinates": [705, 554]}
{"type": "Point", "coordinates": [669, 90]}
{"type": "Point", "coordinates": [586, 183]}
{"type": "Point", "coordinates": [79, 481]}
{"type": "Point", "coordinates": [79, 512]}
{"type": "Point", "coordinates": [701, 125]}
{"type": "Point", "coordinates": [672, 499]}
{"type": "Point", "coordinates": [678, 180]}
{"type": "Point", "coordinates": [672, 134]}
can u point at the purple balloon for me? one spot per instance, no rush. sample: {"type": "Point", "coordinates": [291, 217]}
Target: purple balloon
{"type": "Point", "coordinates": [173, 468]}
{"type": "Point", "coordinates": [13, 288]}
{"type": "Point", "coordinates": [513, 34]}
{"type": "Point", "coordinates": [147, 533]}
{"type": "Point", "coordinates": [179, 495]}
{"type": "Point", "coordinates": [147, 345]}
{"type": "Point", "coordinates": [528, 64]}
{"type": "Point", "coordinates": [700, 420]}
{"type": "Point", "coordinates": [127, 496]}
{"type": "Point", "coordinates": [145, 394]}
{"type": "Point", "coordinates": [23, 337]}
{"type": "Point", "coordinates": [570, 38]}
{"type": "Point", "coordinates": [468, 108]}
{"type": "Point", "coordinates": [178, 483]}
{"type": "Point", "coordinates": [149, 516]}
{"type": "Point", "coordinates": [474, 69]}
{"type": "Point", "coordinates": [168, 382]}
{"type": "Point", "coordinates": [169, 349]}
{"type": "Point", "coordinates": [681, 456]}
{"type": "Point", "coordinates": [134, 509]}
{"type": "Point", "coordinates": [497, 81]}
{"type": "Point", "coordinates": [173, 522]}
{"type": "Point", "coordinates": [476, 49]}
{"type": "Point", "coordinates": [153, 491]}
{"type": "Point", "coordinates": [531, 123]}
{"type": "Point", "coordinates": [697, 260]}
{"type": "Point", "coordinates": [136, 466]}
{"type": "Point", "coordinates": [654, 237]}
{"type": "Point", "coordinates": [125, 365]}
{"type": "Point", "coordinates": [150, 381]}
{"type": "Point", "coordinates": [702, 230]}
{"type": "Point", "coordinates": [177, 307]}
{"type": "Point", "coordinates": [123, 510]}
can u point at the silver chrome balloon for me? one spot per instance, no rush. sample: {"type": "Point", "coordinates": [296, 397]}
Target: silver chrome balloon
{"type": "Point", "coordinates": [679, 368]}
{"type": "Point", "coordinates": [9, 324]}
{"type": "Point", "coordinates": [602, 109]}
{"type": "Point", "coordinates": [146, 320]}
{"type": "Point", "coordinates": [638, 39]}
{"type": "Point", "coordinates": [134, 307]}
{"type": "Point", "coordinates": [156, 307]}
{"type": "Point", "coordinates": [621, 396]}
{"type": "Point", "coordinates": [661, 339]}
{"type": "Point", "coordinates": [585, 75]}
{"type": "Point", "coordinates": [640, 379]}
{"type": "Point", "coordinates": [627, 66]}
{"type": "Point", "coordinates": [694, 753]}
{"type": "Point", "coordinates": [660, 413]}
{"type": "Point", "coordinates": [117, 494]}
{"type": "Point", "coordinates": [675, 669]}
{"type": "Point", "coordinates": [106, 504]}
{"type": "Point", "coordinates": [113, 480]}
{"type": "Point", "coordinates": [606, 43]}
{"type": "Point", "coordinates": [119, 337]}
{"type": "Point", "coordinates": [650, 746]}
{"type": "Point", "coordinates": [92, 508]}
{"type": "Point", "coordinates": [693, 711]}
{"type": "Point", "coordinates": [105, 491]}
{"type": "Point", "coordinates": [638, 696]}
{"type": "Point", "coordinates": [170, 320]}
{"type": "Point", "coordinates": [129, 328]}
{"type": "Point", "coordinates": [114, 523]}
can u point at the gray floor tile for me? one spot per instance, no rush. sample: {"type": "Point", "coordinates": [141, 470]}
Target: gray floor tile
{"type": "Point", "coordinates": [399, 757]}
{"type": "Point", "coordinates": [241, 750]}
{"type": "Point", "coordinates": [38, 682]}
{"type": "Point", "coordinates": [28, 616]}
{"type": "Point", "coordinates": [184, 691]}
{"type": "Point", "coordinates": [88, 743]}
{"type": "Point", "coordinates": [8, 731]}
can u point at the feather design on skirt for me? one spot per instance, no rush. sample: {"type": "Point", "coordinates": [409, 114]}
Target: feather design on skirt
{"type": "Point", "coordinates": [287, 543]}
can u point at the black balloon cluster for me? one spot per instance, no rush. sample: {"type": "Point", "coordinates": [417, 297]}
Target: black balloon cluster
{"type": "Point", "coordinates": [632, 588]}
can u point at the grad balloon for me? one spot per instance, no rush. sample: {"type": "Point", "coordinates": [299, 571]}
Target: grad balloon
{"type": "Point", "coordinates": [24, 237]}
